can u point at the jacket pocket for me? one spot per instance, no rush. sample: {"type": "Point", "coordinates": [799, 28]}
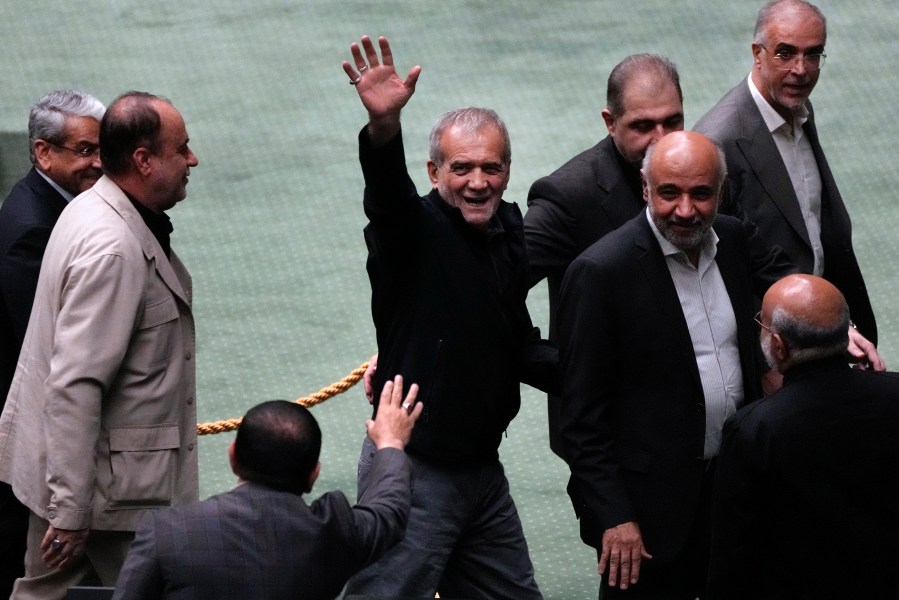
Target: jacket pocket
{"type": "Point", "coordinates": [157, 331]}
{"type": "Point", "coordinates": [142, 461]}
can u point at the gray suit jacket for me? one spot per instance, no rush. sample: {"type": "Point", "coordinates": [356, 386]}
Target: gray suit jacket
{"type": "Point", "coordinates": [760, 184]}
{"type": "Point", "coordinates": [256, 542]}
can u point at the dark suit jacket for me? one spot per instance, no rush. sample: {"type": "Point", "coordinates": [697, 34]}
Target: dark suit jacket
{"type": "Point", "coordinates": [805, 503]}
{"type": "Point", "coordinates": [760, 185]}
{"type": "Point", "coordinates": [256, 542]}
{"type": "Point", "coordinates": [633, 413]}
{"type": "Point", "coordinates": [27, 217]}
{"type": "Point", "coordinates": [582, 201]}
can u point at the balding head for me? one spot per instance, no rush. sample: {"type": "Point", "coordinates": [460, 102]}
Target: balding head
{"type": "Point", "coordinates": [804, 318]}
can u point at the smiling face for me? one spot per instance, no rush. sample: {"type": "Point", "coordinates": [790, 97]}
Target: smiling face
{"type": "Point", "coordinates": [171, 164]}
{"type": "Point", "coordinates": [74, 163]}
{"type": "Point", "coordinates": [472, 175]}
{"type": "Point", "coordinates": [792, 30]}
{"type": "Point", "coordinates": [682, 189]}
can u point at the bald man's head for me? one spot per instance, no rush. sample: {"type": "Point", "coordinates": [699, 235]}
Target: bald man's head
{"type": "Point", "coordinates": [804, 318]}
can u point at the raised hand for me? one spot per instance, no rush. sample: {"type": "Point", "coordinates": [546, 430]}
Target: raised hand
{"type": "Point", "coordinates": [381, 90]}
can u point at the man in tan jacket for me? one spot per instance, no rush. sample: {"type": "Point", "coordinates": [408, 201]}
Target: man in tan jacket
{"type": "Point", "coordinates": [100, 422]}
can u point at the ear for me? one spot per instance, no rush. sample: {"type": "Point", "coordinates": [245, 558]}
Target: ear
{"type": "Point", "coordinates": [432, 173]}
{"type": "Point", "coordinates": [756, 55]}
{"type": "Point", "coordinates": [313, 476]}
{"type": "Point", "coordinates": [42, 150]}
{"type": "Point", "coordinates": [781, 351]}
{"type": "Point", "coordinates": [608, 118]}
{"type": "Point", "coordinates": [231, 458]}
{"type": "Point", "coordinates": [141, 159]}
{"type": "Point", "coordinates": [645, 186]}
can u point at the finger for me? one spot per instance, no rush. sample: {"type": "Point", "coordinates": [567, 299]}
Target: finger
{"type": "Point", "coordinates": [613, 568]}
{"type": "Point", "coordinates": [625, 568]}
{"type": "Point", "coordinates": [386, 54]}
{"type": "Point", "coordinates": [412, 396]}
{"type": "Point", "coordinates": [412, 78]}
{"type": "Point", "coordinates": [386, 393]}
{"type": "Point", "coordinates": [358, 59]}
{"type": "Point", "coordinates": [371, 55]}
{"type": "Point", "coordinates": [603, 560]}
{"type": "Point", "coordinates": [396, 398]}
{"type": "Point", "coordinates": [350, 71]}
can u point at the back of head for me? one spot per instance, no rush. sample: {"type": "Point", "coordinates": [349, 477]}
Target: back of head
{"type": "Point", "coordinates": [277, 445]}
{"type": "Point", "coordinates": [651, 68]}
{"type": "Point", "coordinates": [470, 120]}
{"type": "Point", "coordinates": [131, 122]}
{"type": "Point", "coordinates": [47, 118]}
{"type": "Point", "coordinates": [811, 317]}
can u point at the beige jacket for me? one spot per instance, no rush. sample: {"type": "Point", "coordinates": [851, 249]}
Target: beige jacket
{"type": "Point", "coordinates": [100, 422]}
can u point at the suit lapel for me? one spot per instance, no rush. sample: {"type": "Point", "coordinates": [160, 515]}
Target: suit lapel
{"type": "Point", "coordinates": [761, 153]}
{"type": "Point", "coordinates": [654, 269]}
{"type": "Point", "coordinates": [166, 269]}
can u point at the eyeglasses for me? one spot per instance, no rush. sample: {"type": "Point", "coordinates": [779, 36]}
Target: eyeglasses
{"type": "Point", "coordinates": [86, 151]}
{"type": "Point", "coordinates": [758, 319]}
{"type": "Point", "coordinates": [785, 60]}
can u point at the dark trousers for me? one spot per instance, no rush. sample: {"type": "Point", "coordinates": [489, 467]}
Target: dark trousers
{"type": "Point", "coordinates": [13, 533]}
{"type": "Point", "coordinates": [464, 538]}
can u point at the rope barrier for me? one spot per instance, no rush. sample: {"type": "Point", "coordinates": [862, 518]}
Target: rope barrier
{"type": "Point", "coordinates": [318, 397]}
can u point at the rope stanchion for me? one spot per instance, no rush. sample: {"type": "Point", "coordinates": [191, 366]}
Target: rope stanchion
{"type": "Point", "coordinates": [318, 397]}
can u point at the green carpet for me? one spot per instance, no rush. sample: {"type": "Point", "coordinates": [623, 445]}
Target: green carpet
{"type": "Point", "coordinates": [272, 227]}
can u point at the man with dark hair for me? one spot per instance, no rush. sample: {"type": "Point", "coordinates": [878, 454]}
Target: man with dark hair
{"type": "Point", "coordinates": [641, 422]}
{"type": "Point", "coordinates": [598, 190]}
{"type": "Point", "coordinates": [779, 175]}
{"type": "Point", "coordinates": [100, 423]}
{"type": "Point", "coordinates": [261, 539]}
{"type": "Point", "coordinates": [448, 277]}
{"type": "Point", "coordinates": [804, 501]}
{"type": "Point", "coordinates": [63, 137]}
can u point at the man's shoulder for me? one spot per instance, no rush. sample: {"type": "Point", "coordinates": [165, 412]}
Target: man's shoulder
{"type": "Point", "coordinates": [577, 179]}
{"type": "Point", "coordinates": [31, 202]}
{"type": "Point", "coordinates": [722, 122]}
{"type": "Point", "coordinates": [618, 246]}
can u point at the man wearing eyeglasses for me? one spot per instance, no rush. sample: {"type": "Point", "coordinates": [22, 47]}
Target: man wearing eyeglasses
{"type": "Point", "coordinates": [778, 172]}
{"type": "Point", "coordinates": [63, 135]}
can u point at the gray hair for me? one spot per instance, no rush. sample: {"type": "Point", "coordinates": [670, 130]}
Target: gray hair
{"type": "Point", "coordinates": [769, 12]}
{"type": "Point", "coordinates": [722, 167]}
{"type": "Point", "coordinates": [469, 120]}
{"type": "Point", "coordinates": [633, 66]}
{"type": "Point", "coordinates": [809, 341]}
{"type": "Point", "coordinates": [47, 119]}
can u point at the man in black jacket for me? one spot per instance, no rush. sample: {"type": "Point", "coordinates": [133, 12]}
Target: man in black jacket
{"type": "Point", "coordinates": [449, 280]}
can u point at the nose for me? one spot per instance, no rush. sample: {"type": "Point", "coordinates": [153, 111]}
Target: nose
{"type": "Point", "coordinates": [192, 158]}
{"type": "Point", "coordinates": [659, 132]}
{"type": "Point", "coordinates": [799, 67]}
{"type": "Point", "coordinates": [684, 208]}
{"type": "Point", "coordinates": [477, 180]}
{"type": "Point", "coordinates": [95, 161]}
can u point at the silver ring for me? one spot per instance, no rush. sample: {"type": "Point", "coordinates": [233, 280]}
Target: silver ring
{"type": "Point", "coordinates": [406, 405]}
{"type": "Point", "coordinates": [56, 544]}
{"type": "Point", "coordinates": [356, 81]}
{"type": "Point", "coordinates": [362, 69]}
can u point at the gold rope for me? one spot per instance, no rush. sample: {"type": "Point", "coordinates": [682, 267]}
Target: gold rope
{"type": "Point", "coordinates": [307, 401]}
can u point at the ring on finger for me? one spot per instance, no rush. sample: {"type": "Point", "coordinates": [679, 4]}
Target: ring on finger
{"type": "Point", "coordinates": [407, 406]}
{"type": "Point", "coordinates": [356, 81]}
{"type": "Point", "coordinates": [362, 69]}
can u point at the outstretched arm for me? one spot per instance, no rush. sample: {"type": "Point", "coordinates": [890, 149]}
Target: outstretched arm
{"type": "Point", "coordinates": [381, 90]}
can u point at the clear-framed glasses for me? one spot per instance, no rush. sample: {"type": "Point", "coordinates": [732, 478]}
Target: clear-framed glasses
{"type": "Point", "coordinates": [86, 151]}
{"type": "Point", "coordinates": [758, 319]}
{"type": "Point", "coordinates": [785, 60]}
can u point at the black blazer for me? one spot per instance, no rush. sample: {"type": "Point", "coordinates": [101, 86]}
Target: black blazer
{"type": "Point", "coordinates": [805, 502]}
{"type": "Point", "coordinates": [27, 217]}
{"type": "Point", "coordinates": [633, 413]}
{"type": "Point", "coordinates": [760, 185]}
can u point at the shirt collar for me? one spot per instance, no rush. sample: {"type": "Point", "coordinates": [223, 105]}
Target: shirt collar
{"type": "Point", "coordinates": [773, 120]}
{"type": "Point", "coordinates": [66, 195]}
{"type": "Point", "coordinates": [669, 249]}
